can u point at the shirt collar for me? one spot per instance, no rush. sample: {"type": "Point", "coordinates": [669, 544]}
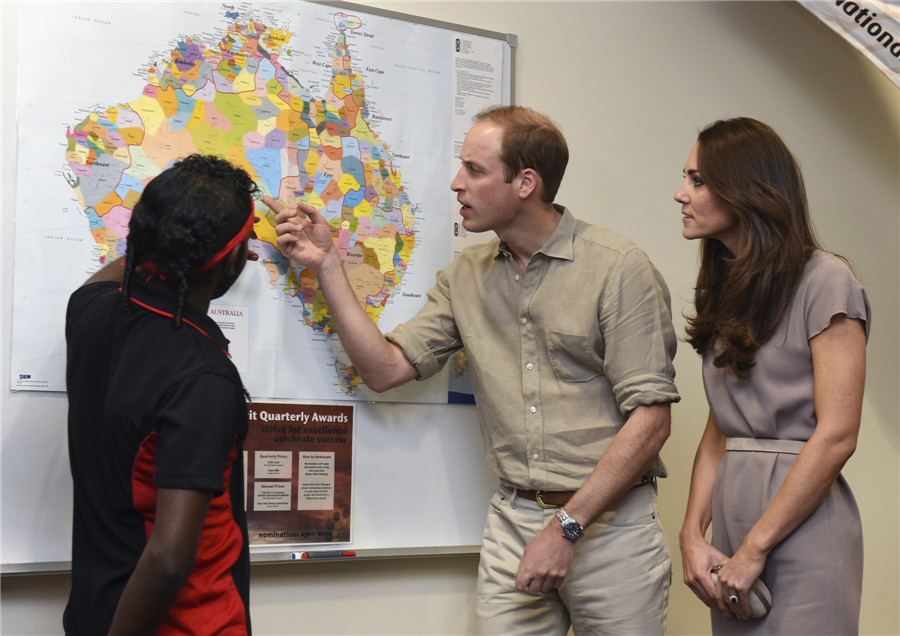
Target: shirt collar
{"type": "Point", "coordinates": [559, 245]}
{"type": "Point", "coordinates": [169, 303]}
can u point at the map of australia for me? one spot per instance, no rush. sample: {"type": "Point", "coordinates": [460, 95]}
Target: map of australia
{"type": "Point", "coordinates": [361, 116]}
{"type": "Point", "coordinates": [231, 95]}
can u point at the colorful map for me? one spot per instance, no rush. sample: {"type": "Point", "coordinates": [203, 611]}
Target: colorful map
{"type": "Point", "coordinates": [316, 104]}
{"type": "Point", "coordinates": [235, 99]}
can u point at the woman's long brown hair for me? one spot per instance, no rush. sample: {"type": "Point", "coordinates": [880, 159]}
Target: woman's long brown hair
{"type": "Point", "coordinates": [741, 298]}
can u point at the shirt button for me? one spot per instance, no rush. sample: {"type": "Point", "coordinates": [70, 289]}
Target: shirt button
{"type": "Point", "coordinates": [529, 366]}
{"type": "Point", "coordinates": [533, 409]}
{"type": "Point", "coordinates": [524, 320]}
{"type": "Point", "coordinates": [518, 277]}
{"type": "Point", "coordinates": [535, 455]}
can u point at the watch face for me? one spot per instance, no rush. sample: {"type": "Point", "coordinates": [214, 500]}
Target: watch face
{"type": "Point", "coordinates": [571, 529]}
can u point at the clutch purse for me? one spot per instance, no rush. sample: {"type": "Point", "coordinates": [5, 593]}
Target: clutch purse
{"type": "Point", "coordinates": [760, 597]}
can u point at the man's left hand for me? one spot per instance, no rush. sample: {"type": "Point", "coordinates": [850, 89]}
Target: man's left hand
{"type": "Point", "coordinates": [545, 562]}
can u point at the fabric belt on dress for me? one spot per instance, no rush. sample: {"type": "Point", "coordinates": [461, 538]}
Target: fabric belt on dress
{"type": "Point", "coordinates": [556, 498]}
{"type": "Point", "coordinates": [751, 444]}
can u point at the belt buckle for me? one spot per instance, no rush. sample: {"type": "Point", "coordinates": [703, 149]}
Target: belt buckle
{"type": "Point", "coordinates": [540, 501]}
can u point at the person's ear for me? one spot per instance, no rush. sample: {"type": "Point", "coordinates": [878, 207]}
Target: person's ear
{"type": "Point", "coordinates": [236, 258]}
{"type": "Point", "coordinates": [529, 182]}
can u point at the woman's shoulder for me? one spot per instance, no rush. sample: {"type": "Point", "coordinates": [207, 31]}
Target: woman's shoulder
{"type": "Point", "coordinates": [827, 261]}
{"type": "Point", "coordinates": [826, 268]}
{"type": "Point", "coordinates": [829, 287]}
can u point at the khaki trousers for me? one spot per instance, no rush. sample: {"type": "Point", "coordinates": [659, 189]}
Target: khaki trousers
{"type": "Point", "coordinates": [618, 581]}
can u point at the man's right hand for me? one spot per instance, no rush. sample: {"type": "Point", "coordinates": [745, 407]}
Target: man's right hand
{"type": "Point", "coordinates": [304, 235]}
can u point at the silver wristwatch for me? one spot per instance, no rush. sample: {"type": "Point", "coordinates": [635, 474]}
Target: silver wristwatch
{"type": "Point", "coordinates": [571, 529]}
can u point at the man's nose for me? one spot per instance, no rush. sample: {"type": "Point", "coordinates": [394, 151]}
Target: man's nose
{"type": "Point", "coordinates": [456, 184]}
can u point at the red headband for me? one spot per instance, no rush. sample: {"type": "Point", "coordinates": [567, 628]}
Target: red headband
{"type": "Point", "coordinates": [241, 237]}
{"type": "Point", "coordinates": [218, 256]}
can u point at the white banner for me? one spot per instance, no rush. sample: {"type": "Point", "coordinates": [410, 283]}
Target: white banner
{"type": "Point", "coordinates": [871, 26]}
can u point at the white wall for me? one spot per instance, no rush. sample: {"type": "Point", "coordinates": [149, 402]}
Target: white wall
{"type": "Point", "coordinates": [630, 83]}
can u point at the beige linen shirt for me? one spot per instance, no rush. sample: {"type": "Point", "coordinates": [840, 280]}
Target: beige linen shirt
{"type": "Point", "coordinates": [559, 356]}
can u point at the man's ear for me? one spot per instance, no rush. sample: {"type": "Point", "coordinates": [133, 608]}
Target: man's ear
{"type": "Point", "coordinates": [529, 182]}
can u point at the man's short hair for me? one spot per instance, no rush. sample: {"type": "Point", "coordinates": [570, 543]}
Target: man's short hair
{"type": "Point", "coordinates": [529, 140]}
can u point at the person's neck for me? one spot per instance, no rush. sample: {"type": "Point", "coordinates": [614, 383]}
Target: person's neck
{"type": "Point", "coordinates": [198, 296]}
{"type": "Point", "coordinates": [532, 229]}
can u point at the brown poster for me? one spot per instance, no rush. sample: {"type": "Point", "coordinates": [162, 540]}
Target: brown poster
{"type": "Point", "coordinates": [299, 467]}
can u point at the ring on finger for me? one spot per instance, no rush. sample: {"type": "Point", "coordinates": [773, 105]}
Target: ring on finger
{"type": "Point", "coordinates": [733, 599]}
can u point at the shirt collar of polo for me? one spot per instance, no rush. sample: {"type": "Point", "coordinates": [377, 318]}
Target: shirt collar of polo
{"type": "Point", "coordinates": [168, 303]}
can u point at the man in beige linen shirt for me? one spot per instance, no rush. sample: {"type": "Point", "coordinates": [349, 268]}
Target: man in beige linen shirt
{"type": "Point", "coordinates": [569, 337]}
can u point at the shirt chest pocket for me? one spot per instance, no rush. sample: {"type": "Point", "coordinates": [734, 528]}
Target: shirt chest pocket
{"type": "Point", "coordinates": [573, 357]}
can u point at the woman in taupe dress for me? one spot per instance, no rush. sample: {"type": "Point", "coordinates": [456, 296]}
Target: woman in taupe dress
{"type": "Point", "coordinates": [782, 328]}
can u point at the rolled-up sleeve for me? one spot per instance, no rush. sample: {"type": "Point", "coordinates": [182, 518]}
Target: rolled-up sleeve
{"type": "Point", "coordinates": [636, 324]}
{"type": "Point", "coordinates": [430, 337]}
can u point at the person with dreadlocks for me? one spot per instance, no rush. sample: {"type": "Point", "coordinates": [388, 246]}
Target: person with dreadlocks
{"type": "Point", "coordinates": [158, 415]}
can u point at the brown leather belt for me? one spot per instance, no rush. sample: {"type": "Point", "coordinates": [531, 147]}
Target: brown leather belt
{"type": "Point", "coordinates": [557, 499]}
{"type": "Point", "coordinates": [546, 498]}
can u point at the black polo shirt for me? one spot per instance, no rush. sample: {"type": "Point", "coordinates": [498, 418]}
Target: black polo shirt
{"type": "Point", "coordinates": [152, 406]}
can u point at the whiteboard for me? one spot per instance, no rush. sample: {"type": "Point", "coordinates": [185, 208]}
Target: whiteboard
{"type": "Point", "coordinates": [420, 479]}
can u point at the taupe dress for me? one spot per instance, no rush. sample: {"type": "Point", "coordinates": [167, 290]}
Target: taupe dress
{"type": "Point", "coordinates": [815, 574]}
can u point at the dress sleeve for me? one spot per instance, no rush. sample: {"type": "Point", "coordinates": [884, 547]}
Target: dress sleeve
{"type": "Point", "coordinates": [832, 289]}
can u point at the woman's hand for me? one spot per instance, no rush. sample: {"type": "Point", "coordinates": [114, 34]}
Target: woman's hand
{"type": "Point", "coordinates": [735, 578]}
{"type": "Point", "coordinates": [699, 559]}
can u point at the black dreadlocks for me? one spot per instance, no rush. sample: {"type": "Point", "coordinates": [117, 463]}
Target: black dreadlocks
{"type": "Point", "coordinates": [185, 215]}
